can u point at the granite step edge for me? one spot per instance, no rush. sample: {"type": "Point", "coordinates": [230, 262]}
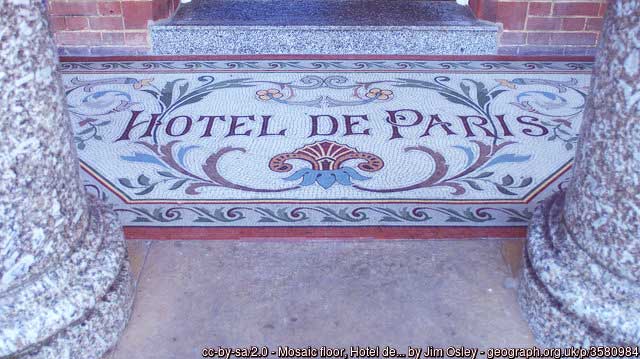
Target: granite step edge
{"type": "Point", "coordinates": [409, 40]}
{"type": "Point", "coordinates": [484, 27]}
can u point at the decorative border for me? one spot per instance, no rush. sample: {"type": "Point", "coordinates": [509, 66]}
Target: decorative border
{"type": "Point", "coordinates": [231, 63]}
{"type": "Point", "coordinates": [360, 63]}
{"type": "Point", "coordinates": [328, 232]}
{"type": "Point", "coordinates": [325, 57]}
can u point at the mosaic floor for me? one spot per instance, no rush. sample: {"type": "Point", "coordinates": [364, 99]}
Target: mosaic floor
{"type": "Point", "coordinates": [292, 142]}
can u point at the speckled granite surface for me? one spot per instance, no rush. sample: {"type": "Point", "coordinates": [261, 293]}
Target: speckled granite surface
{"type": "Point", "coordinates": [60, 253]}
{"type": "Point", "coordinates": [581, 280]}
{"type": "Point", "coordinates": [568, 298]}
{"type": "Point", "coordinates": [173, 40]}
{"type": "Point", "coordinates": [323, 27]}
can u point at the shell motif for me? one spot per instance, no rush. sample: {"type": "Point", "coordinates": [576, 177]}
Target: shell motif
{"type": "Point", "coordinates": [326, 156]}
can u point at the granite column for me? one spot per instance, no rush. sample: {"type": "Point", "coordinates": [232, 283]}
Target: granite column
{"type": "Point", "coordinates": [581, 278]}
{"type": "Point", "coordinates": [65, 288]}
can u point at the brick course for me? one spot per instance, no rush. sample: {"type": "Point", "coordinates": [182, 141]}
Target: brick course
{"type": "Point", "coordinates": [137, 14]}
{"type": "Point", "coordinates": [574, 24]}
{"type": "Point", "coordinates": [73, 8]}
{"type": "Point", "coordinates": [102, 27]}
{"type": "Point", "coordinates": [113, 38]}
{"type": "Point", "coordinates": [530, 27]}
{"type": "Point", "coordinates": [576, 8]}
{"type": "Point", "coordinates": [76, 23]}
{"type": "Point", "coordinates": [110, 8]}
{"type": "Point", "coordinates": [106, 22]}
{"type": "Point", "coordinates": [512, 15]}
{"type": "Point", "coordinates": [545, 27]}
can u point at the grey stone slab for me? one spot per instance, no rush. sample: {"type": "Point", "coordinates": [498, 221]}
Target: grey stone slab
{"type": "Point", "coordinates": [194, 294]}
{"type": "Point", "coordinates": [137, 251]}
{"type": "Point", "coordinates": [324, 27]}
{"type": "Point", "coordinates": [267, 40]}
{"type": "Point", "coordinates": [568, 298]}
{"type": "Point", "coordinates": [324, 13]}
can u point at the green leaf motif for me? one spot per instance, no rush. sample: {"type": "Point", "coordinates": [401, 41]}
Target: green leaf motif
{"type": "Point", "coordinates": [183, 89]}
{"type": "Point", "coordinates": [507, 180]}
{"type": "Point", "coordinates": [525, 182]}
{"type": "Point", "coordinates": [502, 189]}
{"type": "Point", "coordinates": [482, 94]}
{"type": "Point", "coordinates": [166, 174]}
{"type": "Point", "coordinates": [233, 83]}
{"type": "Point", "coordinates": [474, 185]}
{"type": "Point", "coordinates": [125, 182]}
{"type": "Point", "coordinates": [146, 190]}
{"type": "Point", "coordinates": [483, 175]}
{"type": "Point", "coordinates": [143, 180]}
{"type": "Point", "coordinates": [166, 96]}
{"type": "Point", "coordinates": [465, 88]}
{"type": "Point", "coordinates": [85, 131]}
{"type": "Point", "coordinates": [454, 99]}
{"type": "Point", "coordinates": [178, 184]}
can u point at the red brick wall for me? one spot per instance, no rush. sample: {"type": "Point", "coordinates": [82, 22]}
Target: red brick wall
{"type": "Point", "coordinates": [530, 27]}
{"type": "Point", "coordinates": [105, 27]}
{"type": "Point", "coordinates": [545, 27]}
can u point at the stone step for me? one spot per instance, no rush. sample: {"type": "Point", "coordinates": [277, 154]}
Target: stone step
{"type": "Point", "coordinates": [324, 27]}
